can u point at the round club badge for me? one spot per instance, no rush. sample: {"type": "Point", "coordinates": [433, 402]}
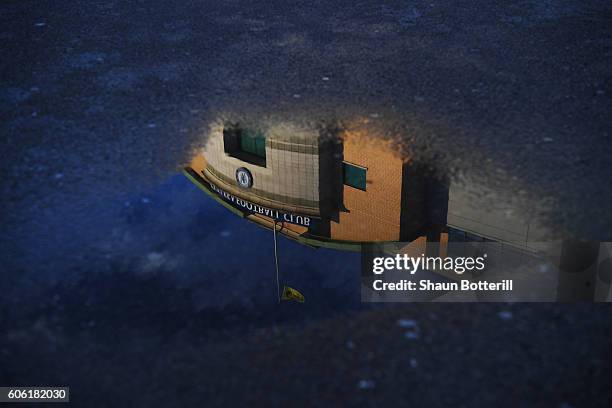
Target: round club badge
{"type": "Point", "coordinates": [244, 177]}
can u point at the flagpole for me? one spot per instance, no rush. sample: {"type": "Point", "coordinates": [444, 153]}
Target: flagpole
{"type": "Point", "coordinates": [276, 263]}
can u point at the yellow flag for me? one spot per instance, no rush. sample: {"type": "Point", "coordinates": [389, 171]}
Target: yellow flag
{"type": "Point", "coordinates": [292, 294]}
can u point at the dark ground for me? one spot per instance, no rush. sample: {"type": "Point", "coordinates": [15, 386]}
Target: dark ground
{"type": "Point", "coordinates": [122, 280]}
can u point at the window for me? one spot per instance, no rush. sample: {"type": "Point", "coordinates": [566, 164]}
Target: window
{"type": "Point", "coordinates": [245, 144]}
{"type": "Point", "coordinates": [354, 176]}
{"type": "Point", "coordinates": [253, 143]}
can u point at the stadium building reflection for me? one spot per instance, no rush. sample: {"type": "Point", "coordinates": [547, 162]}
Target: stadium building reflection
{"type": "Point", "coordinates": [349, 189]}
{"type": "Point", "coordinates": [339, 188]}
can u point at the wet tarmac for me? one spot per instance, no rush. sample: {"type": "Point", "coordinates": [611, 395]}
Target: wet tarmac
{"type": "Point", "coordinates": [103, 103]}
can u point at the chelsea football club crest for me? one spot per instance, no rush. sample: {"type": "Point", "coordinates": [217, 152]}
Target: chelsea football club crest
{"type": "Point", "coordinates": [244, 177]}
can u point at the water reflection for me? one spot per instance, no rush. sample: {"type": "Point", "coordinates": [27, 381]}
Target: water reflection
{"type": "Point", "coordinates": [349, 189]}
{"type": "Point", "coordinates": [340, 187]}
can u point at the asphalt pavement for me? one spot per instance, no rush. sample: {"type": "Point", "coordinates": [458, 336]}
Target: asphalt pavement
{"type": "Point", "coordinates": [122, 280]}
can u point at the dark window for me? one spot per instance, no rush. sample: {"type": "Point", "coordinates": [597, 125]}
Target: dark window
{"type": "Point", "coordinates": [354, 176]}
{"type": "Point", "coordinates": [253, 143]}
{"type": "Point", "coordinates": [245, 144]}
